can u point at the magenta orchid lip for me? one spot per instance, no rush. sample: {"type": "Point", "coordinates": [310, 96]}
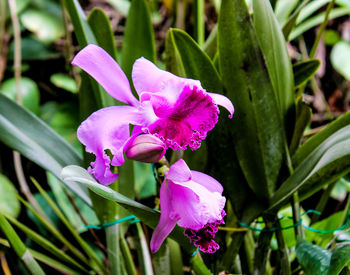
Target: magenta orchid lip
{"type": "Point", "coordinates": [176, 110]}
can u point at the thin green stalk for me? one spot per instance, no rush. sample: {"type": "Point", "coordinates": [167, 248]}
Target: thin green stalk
{"type": "Point", "coordinates": [44, 243]}
{"type": "Point", "coordinates": [145, 255]}
{"type": "Point", "coordinates": [19, 247]}
{"type": "Point", "coordinates": [321, 30]}
{"type": "Point", "coordinates": [322, 202]}
{"type": "Point", "coordinates": [129, 262]}
{"type": "Point", "coordinates": [55, 232]}
{"type": "Point", "coordinates": [113, 249]}
{"type": "Point", "coordinates": [299, 232]}
{"type": "Point", "coordinates": [88, 250]}
{"type": "Point", "coordinates": [199, 27]}
{"type": "Point", "coordinates": [282, 251]}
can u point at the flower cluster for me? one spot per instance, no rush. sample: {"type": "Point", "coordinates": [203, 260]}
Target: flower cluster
{"type": "Point", "coordinates": [171, 112]}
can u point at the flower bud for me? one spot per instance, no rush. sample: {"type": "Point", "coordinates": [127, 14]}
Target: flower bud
{"type": "Point", "coordinates": [146, 148]}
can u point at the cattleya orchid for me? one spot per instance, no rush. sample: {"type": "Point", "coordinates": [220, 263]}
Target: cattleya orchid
{"type": "Point", "coordinates": [176, 110]}
{"type": "Point", "coordinates": [192, 200]}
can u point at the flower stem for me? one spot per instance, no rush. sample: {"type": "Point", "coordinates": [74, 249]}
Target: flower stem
{"type": "Point", "coordinates": [113, 250]}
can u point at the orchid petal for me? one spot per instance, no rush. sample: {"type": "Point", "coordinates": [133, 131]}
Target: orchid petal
{"type": "Point", "coordinates": [194, 205]}
{"type": "Point", "coordinates": [166, 224]}
{"type": "Point", "coordinates": [206, 181]}
{"type": "Point", "coordinates": [147, 77]}
{"type": "Point", "coordinates": [102, 67]}
{"type": "Point", "coordinates": [224, 102]}
{"type": "Point", "coordinates": [105, 129]}
{"type": "Point", "coordinates": [179, 172]}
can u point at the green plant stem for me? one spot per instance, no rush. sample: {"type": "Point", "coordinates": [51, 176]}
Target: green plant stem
{"type": "Point", "coordinates": [145, 255]}
{"type": "Point", "coordinates": [282, 251]}
{"type": "Point", "coordinates": [113, 249]}
{"type": "Point", "coordinates": [299, 232]}
{"type": "Point", "coordinates": [322, 202]}
{"type": "Point", "coordinates": [321, 30]}
{"type": "Point", "coordinates": [199, 26]}
{"type": "Point", "coordinates": [129, 263]}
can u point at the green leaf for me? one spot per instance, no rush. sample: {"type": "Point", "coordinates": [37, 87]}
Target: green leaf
{"type": "Point", "coordinates": [32, 49]}
{"type": "Point", "coordinates": [313, 258]}
{"type": "Point", "coordinates": [9, 203]}
{"type": "Point", "coordinates": [311, 144]}
{"type": "Point", "coordinates": [257, 127]}
{"type": "Point", "coordinates": [147, 215]}
{"type": "Point", "coordinates": [303, 115]}
{"type": "Point", "coordinates": [329, 161]}
{"type": "Point", "coordinates": [85, 36]}
{"type": "Point", "coordinates": [316, 20]}
{"type": "Point", "coordinates": [138, 36]}
{"type": "Point", "coordinates": [45, 26]}
{"type": "Point", "coordinates": [283, 9]}
{"type": "Point", "coordinates": [145, 183]}
{"type": "Point", "coordinates": [24, 132]}
{"type": "Point", "coordinates": [195, 63]}
{"type": "Point", "coordinates": [274, 48]}
{"type": "Point", "coordinates": [339, 56]}
{"type": "Point", "coordinates": [101, 27]}
{"type": "Point", "coordinates": [29, 93]}
{"type": "Point", "coordinates": [304, 71]}
{"type": "Point", "coordinates": [65, 82]}
{"type": "Point", "coordinates": [340, 258]}
{"type": "Point", "coordinates": [331, 37]}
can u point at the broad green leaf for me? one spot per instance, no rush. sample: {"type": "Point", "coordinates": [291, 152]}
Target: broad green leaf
{"type": "Point", "coordinates": [173, 60]}
{"type": "Point", "coordinates": [210, 46]}
{"type": "Point", "coordinates": [145, 183]}
{"type": "Point", "coordinates": [122, 6]}
{"type": "Point", "coordinates": [147, 215]}
{"type": "Point", "coordinates": [313, 258]}
{"type": "Point", "coordinates": [9, 203]}
{"type": "Point", "coordinates": [327, 162]}
{"type": "Point", "coordinates": [256, 128]}
{"type": "Point", "coordinates": [24, 132]}
{"type": "Point", "coordinates": [316, 20]}
{"type": "Point", "coordinates": [311, 144]}
{"type": "Point", "coordinates": [65, 82]}
{"type": "Point", "coordinates": [101, 27]}
{"type": "Point", "coordinates": [19, 247]}
{"type": "Point", "coordinates": [340, 258]}
{"type": "Point", "coordinates": [196, 64]}
{"type": "Point", "coordinates": [44, 25]}
{"type": "Point", "coordinates": [305, 70]}
{"type": "Point", "coordinates": [30, 95]}
{"type": "Point", "coordinates": [303, 118]}
{"type": "Point", "coordinates": [339, 56]}
{"type": "Point", "coordinates": [138, 36]}
{"type": "Point", "coordinates": [274, 48]}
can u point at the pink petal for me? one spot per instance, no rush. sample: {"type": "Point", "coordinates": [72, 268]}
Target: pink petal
{"type": "Point", "coordinates": [105, 129]}
{"type": "Point", "coordinates": [224, 102]}
{"type": "Point", "coordinates": [166, 224]}
{"type": "Point", "coordinates": [193, 205]}
{"type": "Point", "coordinates": [179, 172]}
{"type": "Point", "coordinates": [147, 77]}
{"type": "Point", "coordinates": [102, 67]}
{"type": "Point", "coordinates": [206, 181]}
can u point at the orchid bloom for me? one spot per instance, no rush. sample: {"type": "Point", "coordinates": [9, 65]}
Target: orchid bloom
{"type": "Point", "coordinates": [192, 200]}
{"type": "Point", "coordinates": [176, 110]}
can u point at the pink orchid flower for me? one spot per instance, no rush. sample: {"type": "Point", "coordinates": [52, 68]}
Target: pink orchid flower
{"type": "Point", "coordinates": [176, 110]}
{"type": "Point", "coordinates": [192, 200]}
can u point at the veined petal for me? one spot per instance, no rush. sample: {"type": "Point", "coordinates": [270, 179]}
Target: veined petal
{"type": "Point", "coordinates": [224, 102]}
{"type": "Point", "coordinates": [194, 205]}
{"type": "Point", "coordinates": [147, 77]}
{"type": "Point", "coordinates": [166, 223]}
{"type": "Point", "coordinates": [102, 67]}
{"type": "Point", "coordinates": [207, 181]}
{"type": "Point", "coordinates": [107, 128]}
{"type": "Point", "coordinates": [179, 172]}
